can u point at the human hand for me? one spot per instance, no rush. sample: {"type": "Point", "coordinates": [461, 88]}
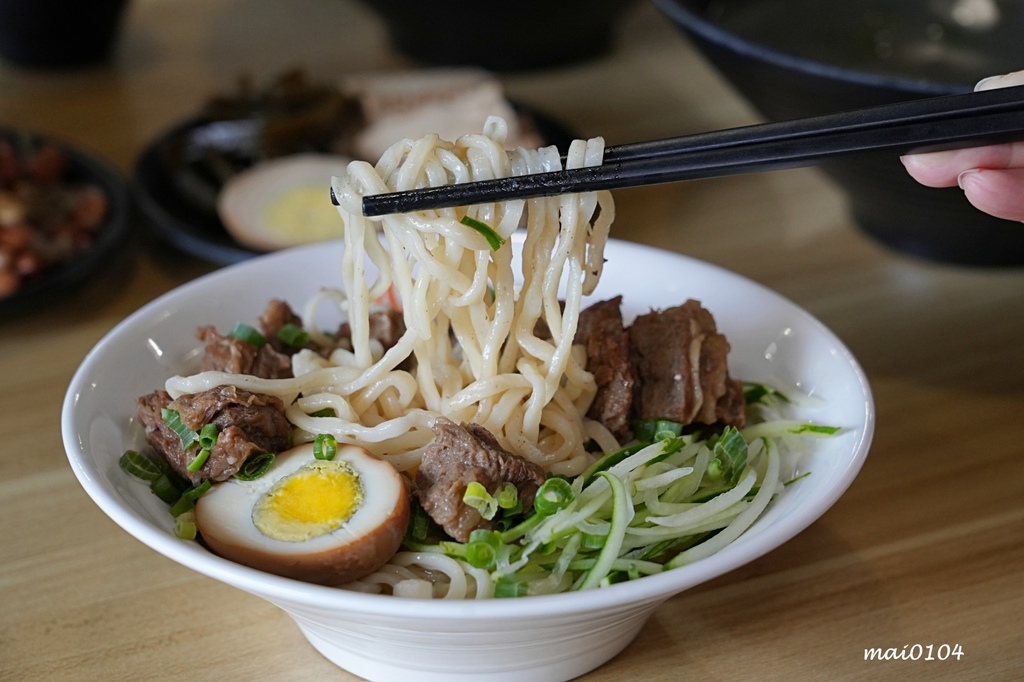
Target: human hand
{"type": "Point", "coordinates": [991, 177]}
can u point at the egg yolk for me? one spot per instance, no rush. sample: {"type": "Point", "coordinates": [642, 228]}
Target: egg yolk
{"type": "Point", "coordinates": [304, 213]}
{"type": "Point", "coordinates": [315, 500]}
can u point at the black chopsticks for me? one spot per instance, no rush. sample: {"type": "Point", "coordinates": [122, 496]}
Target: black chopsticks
{"type": "Point", "coordinates": [949, 121]}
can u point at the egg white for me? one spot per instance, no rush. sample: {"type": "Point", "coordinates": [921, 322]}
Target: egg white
{"type": "Point", "coordinates": [267, 207]}
{"type": "Point", "coordinates": [362, 543]}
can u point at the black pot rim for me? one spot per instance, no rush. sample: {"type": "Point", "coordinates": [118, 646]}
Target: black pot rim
{"type": "Point", "coordinates": [718, 35]}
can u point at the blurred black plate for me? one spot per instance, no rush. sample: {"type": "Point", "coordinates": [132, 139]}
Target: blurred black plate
{"type": "Point", "coordinates": [179, 206]}
{"type": "Point", "coordinates": [109, 238]}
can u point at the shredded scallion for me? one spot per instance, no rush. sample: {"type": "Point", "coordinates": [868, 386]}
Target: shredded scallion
{"type": "Point", "coordinates": [493, 238]}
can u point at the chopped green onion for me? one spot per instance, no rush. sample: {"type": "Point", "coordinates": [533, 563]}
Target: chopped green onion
{"type": "Point", "coordinates": [164, 488]}
{"type": "Point", "coordinates": [185, 526]}
{"type": "Point", "coordinates": [138, 465]}
{"type": "Point", "coordinates": [255, 467]}
{"type": "Point", "coordinates": [293, 335]}
{"type": "Point", "coordinates": [199, 460]}
{"type": "Point", "coordinates": [757, 393]}
{"type": "Point", "coordinates": [492, 237]}
{"type": "Point", "coordinates": [555, 494]}
{"type": "Point", "coordinates": [198, 490]}
{"type": "Point", "coordinates": [326, 412]}
{"type": "Point", "coordinates": [188, 498]}
{"type": "Point", "coordinates": [248, 334]}
{"type": "Point", "coordinates": [482, 548]}
{"type": "Point", "coordinates": [507, 496]}
{"type": "Point", "coordinates": [511, 588]}
{"type": "Point", "coordinates": [182, 505]}
{"type": "Point", "coordinates": [651, 429]}
{"type": "Point", "coordinates": [419, 525]}
{"type": "Point", "coordinates": [208, 436]}
{"type": "Point", "coordinates": [477, 497]}
{"type": "Point", "coordinates": [173, 420]}
{"type": "Point", "coordinates": [325, 446]}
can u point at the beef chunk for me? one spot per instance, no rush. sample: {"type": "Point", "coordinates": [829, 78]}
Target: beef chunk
{"type": "Point", "coordinates": [386, 326]}
{"type": "Point", "coordinates": [602, 334]}
{"type": "Point", "coordinates": [680, 361]}
{"type": "Point", "coordinates": [276, 315]}
{"type": "Point", "coordinates": [159, 436]}
{"type": "Point", "coordinates": [228, 354]}
{"type": "Point", "coordinates": [248, 424]}
{"type": "Point", "coordinates": [459, 455]}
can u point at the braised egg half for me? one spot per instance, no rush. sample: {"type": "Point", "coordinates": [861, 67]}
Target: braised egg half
{"type": "Point", "coordinates": [322, 521]}
{"type": "Point", "coordinates": [283, 202]}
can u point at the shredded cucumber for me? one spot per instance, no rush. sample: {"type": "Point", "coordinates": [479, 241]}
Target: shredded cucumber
{"type": "Point", "coordinates": [648, 507]}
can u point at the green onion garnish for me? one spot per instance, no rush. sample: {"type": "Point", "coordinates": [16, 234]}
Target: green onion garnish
{"type": "Point", "coordinates": [250, 335]}
{"type": "Point", "coordinates": [164, 488]}
{"type": "Point", "coordinates": [185, 526]}
{"type": "Point", "coordinates": [325, 446]}
{"type": "Point", "coordinates": [208, 436]}
{"type": "Point", "coordinates": [555, 494]}
{"type": "Point", "coordinates": [173, 420]}
{"type": "Point", "coordinates": [199, 460]}
{"type": "Point", "coordinates": [492, 237]}
{"type": "Point", "coordinates": [255, 467]}
{"type": "Point", "coordinates": [482, 548]}
{"type": "Point", "coordinates": [187, 501]}
{"type": "Point", "coordinates": [511, 588]}
{"type": "Point", "coordinates": [507, 496]}
{"type": "Point", "coordinates": [651, 429]}
{"type": "Point", "coordinates": [293, 335]}
{"type": "Point", "coordinates": [477, 497]}
{"type": "Point", "coordinates": [326, 412]}
{"type": "Point", "coordinates": [139, 466]}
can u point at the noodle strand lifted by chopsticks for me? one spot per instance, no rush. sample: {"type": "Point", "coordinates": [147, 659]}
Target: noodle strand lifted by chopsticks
{"type": "Point", "coordinates": [479, 356]}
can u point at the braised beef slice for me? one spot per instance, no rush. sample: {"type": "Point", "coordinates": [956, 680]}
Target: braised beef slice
{"type": "Point", "coordinates": [228, 354]}
{"type": "Point", "coordinates": [459, 455]}
{"type": "Point", "coordinates": [386, 326]}
{"type": "Point", "coordinates": [248, 424]}
{"type": "Point", "coordinates": [681, 369]}
{"type": "Point", "coordinates": [276, 315]}
{"type": "Point", "coordinates": [159, 436]}
{"type": "Point", "coordinates": [601, 332]}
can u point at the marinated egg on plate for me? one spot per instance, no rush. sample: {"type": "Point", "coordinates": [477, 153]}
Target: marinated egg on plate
{"type": "Point", "coordinates": [327, 521]}
{"type": "Point", "coordinates": [283, 202]}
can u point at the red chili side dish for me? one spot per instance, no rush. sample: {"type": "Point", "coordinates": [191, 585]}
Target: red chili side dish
{"type": "Point", "coordinates": [45, 220]}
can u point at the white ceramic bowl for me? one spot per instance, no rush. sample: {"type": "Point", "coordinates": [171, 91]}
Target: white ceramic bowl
{"type": "Point", "coordinates": [533, 638]}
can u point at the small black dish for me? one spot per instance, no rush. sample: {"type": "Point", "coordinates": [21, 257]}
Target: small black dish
{"type": "Point", "coordinates": [110, 237]}
{"type": "Point", "coordinates": [178, 198]}
{"type": "Point", "coordinates": [803, 70]}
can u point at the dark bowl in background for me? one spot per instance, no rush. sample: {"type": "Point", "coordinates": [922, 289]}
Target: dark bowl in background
{"type": "Point", "coordinates": [59, 34]}
{"type": "Point", "coordinates": [836, 58]}
{"type": "Point", "coordinates": [501, 36]}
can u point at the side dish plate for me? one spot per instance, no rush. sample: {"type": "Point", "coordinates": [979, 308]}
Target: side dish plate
{"type": "Point", "coordinates": [110, 237]}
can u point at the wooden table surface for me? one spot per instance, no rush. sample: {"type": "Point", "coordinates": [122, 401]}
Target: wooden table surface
{"type": "Point", "coordinates": [926, 548]}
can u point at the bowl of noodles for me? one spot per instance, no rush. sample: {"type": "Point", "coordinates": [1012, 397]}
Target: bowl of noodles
{"type": "Point", "coordinates": [492, 299]}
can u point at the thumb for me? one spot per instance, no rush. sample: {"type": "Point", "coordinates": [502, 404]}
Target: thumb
{"type": "Point", "coordinates": [1004, 81]}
